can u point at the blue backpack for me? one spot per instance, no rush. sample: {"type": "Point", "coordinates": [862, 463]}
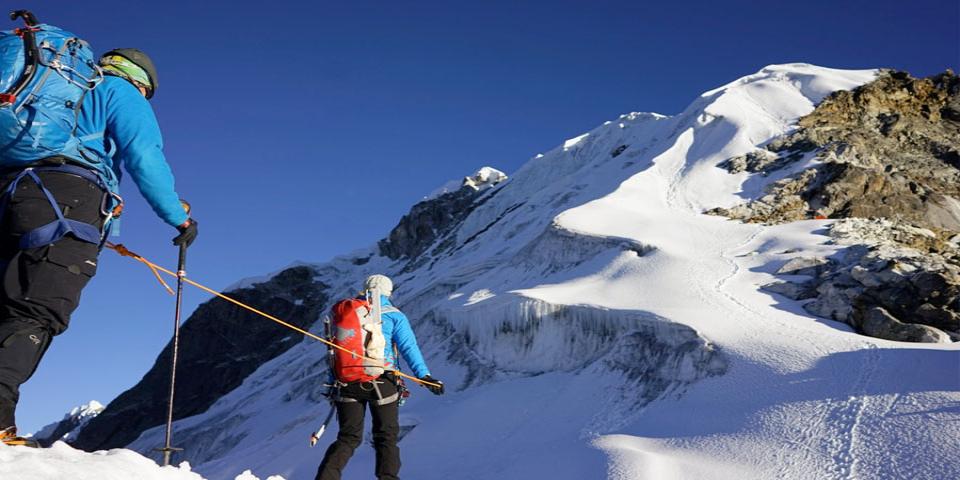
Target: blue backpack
{"type": "Point", "coordinates": [45, 72]}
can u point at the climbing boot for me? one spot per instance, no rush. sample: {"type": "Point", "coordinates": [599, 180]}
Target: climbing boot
{"type": "Point", "coordinates": [9, 437]}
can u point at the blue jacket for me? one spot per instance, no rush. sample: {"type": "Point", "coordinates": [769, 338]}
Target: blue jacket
{"type": "Point", "coordinates": [118, 124]}
{"type": "Point", "coordinates": [397, 330]}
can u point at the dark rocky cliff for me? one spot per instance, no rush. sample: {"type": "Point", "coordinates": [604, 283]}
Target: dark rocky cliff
{"type": "Point", "coordinates": [429, 229]}
{"type": "Point", "coordinates": [426, 222]}
{"type": "Point", "coordinates": [62, 428]}
{"type": "Point", "coordinates": [220, 345]}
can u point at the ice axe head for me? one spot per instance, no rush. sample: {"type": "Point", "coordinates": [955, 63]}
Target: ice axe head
{"type": "Point", "coordinates": [315, 437]}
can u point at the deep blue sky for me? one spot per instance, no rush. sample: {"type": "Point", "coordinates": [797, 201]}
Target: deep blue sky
{"type": "Point", "coordinates": [307, 130]}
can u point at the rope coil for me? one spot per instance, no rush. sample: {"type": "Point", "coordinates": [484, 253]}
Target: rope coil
{"type": "Point", "coordinates": [157, 269]}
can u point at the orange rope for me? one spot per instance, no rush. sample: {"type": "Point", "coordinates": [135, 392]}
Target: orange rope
{"type": "Point", "coordinates": [124, 252]}
{"type": "Point", "coordinates": [156, 269]}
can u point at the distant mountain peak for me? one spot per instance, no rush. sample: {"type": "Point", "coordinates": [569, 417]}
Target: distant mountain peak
{"type": "Point", "coordinates": [70, 426]}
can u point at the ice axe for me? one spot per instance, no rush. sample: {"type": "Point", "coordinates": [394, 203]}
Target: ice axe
{"type": "Point", "coordinates": [181, 272]}
{"type": "Point", "coordinates": [315, 437]}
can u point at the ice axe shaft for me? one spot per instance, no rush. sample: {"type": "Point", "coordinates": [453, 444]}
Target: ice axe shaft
{"type": "Point", "coordinates": [323, 427]}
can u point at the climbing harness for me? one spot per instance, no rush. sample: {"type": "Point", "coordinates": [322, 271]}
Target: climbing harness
{"type": "Point", "coordinates": [57, 229]}
{"type": "Point", "coordinates": [370, 386]}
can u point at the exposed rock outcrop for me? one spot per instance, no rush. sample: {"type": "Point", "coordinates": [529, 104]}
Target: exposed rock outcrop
{"type": "Point", "coordinates": [890, 150]}
{"type": "Point", "coordinates": [877, 322]}
{"type": "Point", "coordinates": [220, 345]}
{"type": "Point", "coordinates": [880, 287]}
{"type": "Point", "coordinates": [426, 222]}
{"type": "Point", "coordinates": [431, 219]}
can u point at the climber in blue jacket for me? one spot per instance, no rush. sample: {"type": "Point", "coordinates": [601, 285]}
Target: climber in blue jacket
{"type": "Point", "coordinates": [382, 395]}
{"type": "Point", "coordinates": [57, 211]}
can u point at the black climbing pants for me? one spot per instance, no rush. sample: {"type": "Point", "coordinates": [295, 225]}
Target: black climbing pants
{"type": "Point", "coordinates": [40, 286]}
{"type": "Point", "coordinates": [386, 429]}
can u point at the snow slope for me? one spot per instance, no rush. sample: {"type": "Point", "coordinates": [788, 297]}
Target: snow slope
{"type": "Point", "coordinates": [593, 323]}
{"type": "Point", "coordinates": [590, 322]}
{"type": "Point", "coordinates": [60, 461]}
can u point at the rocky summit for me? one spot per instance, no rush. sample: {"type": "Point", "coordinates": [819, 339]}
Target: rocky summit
{"type": "Point", "coordinates": [888, 149]}
{"type": "Point", "coordinates": [886, 153]}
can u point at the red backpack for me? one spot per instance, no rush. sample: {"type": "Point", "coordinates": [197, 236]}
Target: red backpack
{"type": "Point", "coordinates": [358, 328]}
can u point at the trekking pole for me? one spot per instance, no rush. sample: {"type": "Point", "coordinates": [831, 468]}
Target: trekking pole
{"type": "Point", "coordinates": [181, 273]}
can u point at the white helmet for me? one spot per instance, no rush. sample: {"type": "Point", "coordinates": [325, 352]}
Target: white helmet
{"type": "Point", "coordinates": [379, 282]}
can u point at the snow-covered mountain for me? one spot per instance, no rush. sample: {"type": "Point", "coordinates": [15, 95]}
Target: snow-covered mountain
{"type": "Point", "coordinates": [591, 322]}
{"type": "Point", "coordinates": [67, 428]}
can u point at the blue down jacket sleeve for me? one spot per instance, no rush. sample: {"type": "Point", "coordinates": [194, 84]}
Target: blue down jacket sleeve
{"type": "Point", "coordinates": [129, 128]}
{"type": "Point", "coordinates": [402, 335]}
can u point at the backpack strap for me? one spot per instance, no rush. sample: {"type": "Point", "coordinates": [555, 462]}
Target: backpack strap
{"type": "Point", "coordinates": [376, 305]}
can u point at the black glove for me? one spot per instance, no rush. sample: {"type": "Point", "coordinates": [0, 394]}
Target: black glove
{"type": "Point", "coordinates": [437, 390]}
{"type": "Point", "coordinates": [187, 235]}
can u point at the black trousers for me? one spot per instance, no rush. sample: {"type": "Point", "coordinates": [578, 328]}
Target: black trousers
{"type": "Point", "coordinates": [386, 429]}
{"type": "Point", "coordinates": [40, 286]}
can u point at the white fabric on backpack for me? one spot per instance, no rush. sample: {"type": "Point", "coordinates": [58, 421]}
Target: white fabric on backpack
{"type": "Point", "coordinates": [374, 344]}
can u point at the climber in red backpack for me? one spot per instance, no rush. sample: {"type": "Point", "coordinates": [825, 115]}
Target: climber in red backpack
{"type": "Point", "coordinates": [370, 326]}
